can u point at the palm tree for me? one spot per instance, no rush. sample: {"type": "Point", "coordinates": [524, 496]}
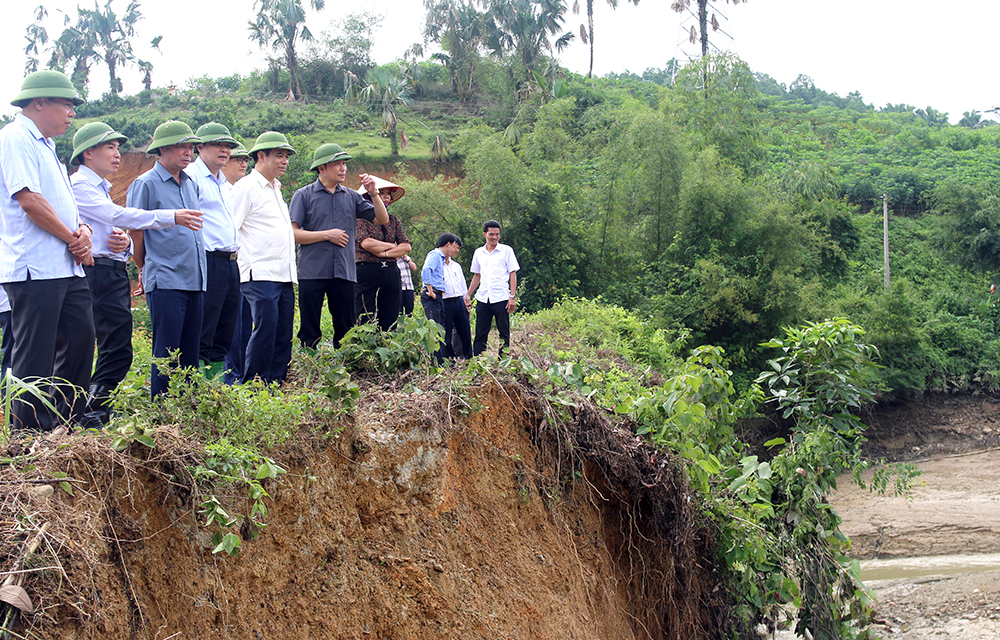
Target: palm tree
{"type": "Point", "coordinates": [280, 25]}
{"type": "Point", "coordinates": [112, 36]}
{"type": "Point", "coordinates": [459, 28]}
{"type": "Point", "coordinates": [523, 27]}
{"type": "Point", "coordinates": [703, 20]}
{"type": "Point", "coordinates": [76, 47]}
{"type": "Point", "coordinates": [587, 32]}
{"type": "Point", "coordinates": [384, 92]}
{"type": "Point", "coordinates": [36, 35]}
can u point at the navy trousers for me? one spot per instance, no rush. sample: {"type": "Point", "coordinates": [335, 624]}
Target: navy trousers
{"type": "Point", "coordinates": [176, 319]}
{"type": "Point", "coordinates": [269, 346]}
{"type": "Point", "coordinates": [456, 322]}
{"type": "Point", "coordinates": [339, 295]}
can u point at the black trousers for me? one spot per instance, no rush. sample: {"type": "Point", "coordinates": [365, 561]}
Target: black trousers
{"type": "Point", "coordinates": [378, 293]}
{"type": "Point", "coordinates": [52, 325]}
{"type": "Point", "coordinates": [6, 347]}
{"type": "Point", "coordinates": [485, 313]}
{"type": "Point", "coordinates": [112, 303]}
{"type": "Point", "coordinates": [222, 304]}
{"type": "Point", "coordinates": [434, 310]}
{"type": "Point", "coordinates": [340, 300]}
{"type": "Point", "coordinates": [407, 298]}
{"type": "Point", "coordinates": [456, 322]}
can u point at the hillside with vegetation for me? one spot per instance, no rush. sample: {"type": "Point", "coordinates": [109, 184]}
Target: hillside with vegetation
{"type": "Point", "coordinates": [718, 205]}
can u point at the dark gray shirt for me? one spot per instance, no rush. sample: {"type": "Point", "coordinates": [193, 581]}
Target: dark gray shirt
{"type": "Point", "coordinates": [175, 257]}
{"type": "Point", "coordinates": [314, 208]}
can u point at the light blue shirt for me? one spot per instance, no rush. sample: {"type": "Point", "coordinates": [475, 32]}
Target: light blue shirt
{"type": "Point", "coordinates": [433, 271]}
{"type": "Point", "coordinates": [175, 258]}
{"type": "Point", "coordinates": [93, 198]}
{"type": "Point", "coordinates": [28, 161]}
{"type": "Point", "coordinates": [218, 226]}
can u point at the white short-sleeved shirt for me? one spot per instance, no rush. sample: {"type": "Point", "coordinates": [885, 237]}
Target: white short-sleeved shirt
{"type": "Point", "coordinates": [267, 241]}
{"type": "Point", "coordinates": [28, 161]}
{"type": "Point", "coordinates": [494, 269]}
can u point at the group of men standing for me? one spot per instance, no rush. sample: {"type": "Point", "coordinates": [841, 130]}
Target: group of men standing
{"type": "Point", "coordinates": [216, 251]}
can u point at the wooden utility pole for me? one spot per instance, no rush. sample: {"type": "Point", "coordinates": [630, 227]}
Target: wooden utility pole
{"type": "Point", "coordinates": [885, 235]}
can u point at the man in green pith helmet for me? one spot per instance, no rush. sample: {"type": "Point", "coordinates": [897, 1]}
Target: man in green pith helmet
{"type": "Point", "coordinates": [325, 215]}
{"type": "Point", "coordinates": [236, 168]}
{"type": "Point", "coordinates": [45, 245]}
{"type": "Point", "coordinates": [171, 261]}
{"type": "Point", "coordinates": [96, 149]}
{"type": "Point", "coordinates": [263, 347]}
{"type": "Point", "coordinates": [222, 293]}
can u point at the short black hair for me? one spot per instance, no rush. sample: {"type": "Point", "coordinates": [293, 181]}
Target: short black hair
{"type": "Point", "coordinates": [256, 154]}
{"type": "Point", "coordinates": [490, 224]}
{"type": "Point", "coordinates": [447, 238]}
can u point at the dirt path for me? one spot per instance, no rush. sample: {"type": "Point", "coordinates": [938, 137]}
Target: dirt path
{"type": "Point", "coordinates": [954, 511]}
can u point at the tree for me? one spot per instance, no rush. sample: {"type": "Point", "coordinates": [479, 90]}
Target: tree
{"type": "Point", "coordinates": [111, 36]}
{"type": "Point", "coordinates": [523, 28]}
{"type": "Point", "coordinates": [36, 35]}
{"type": "Point", "coordinates": [98, 33]}
{"type": "Point", "coordinates": [715, 99]}
{"type": "Point", "coordinates": [459, 28]}
{"type": "Point", "coordinates": [280, 25]}
{"type": "Point", "coordinates": [384, 92]}
{"type": "Point", "coordinates": [971, 119]}
{"type": "Point", "coordinates": [587, 33]}
{"type": "Point", "coordinates": [703, 20]}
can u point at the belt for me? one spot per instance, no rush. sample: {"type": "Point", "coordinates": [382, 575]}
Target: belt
{"type": "Point", "coordinates": [228, 255]}
{"type": "Point", "coordinates": [384, 265]}
{"type": "Point", "coordinates": [109, 262]}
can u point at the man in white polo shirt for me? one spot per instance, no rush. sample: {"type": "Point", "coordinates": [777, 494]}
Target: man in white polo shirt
{"type": "Point", "coordinates": [494, 269]}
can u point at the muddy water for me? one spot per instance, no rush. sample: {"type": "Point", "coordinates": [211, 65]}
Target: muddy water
{"type": "Point", "coordinates": [932, 559]}
{"type": "Point", "coordinates": [927, 566]}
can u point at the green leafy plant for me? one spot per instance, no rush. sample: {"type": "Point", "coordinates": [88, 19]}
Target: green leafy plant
{"type": "Point", "coordinates": [367, 348]}
{"type": "Point", "coordinates": [244, 470]}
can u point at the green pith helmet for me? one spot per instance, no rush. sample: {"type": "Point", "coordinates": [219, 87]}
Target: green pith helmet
{"type": "Point", "coordinates": [271, 140]}
{"type": "Point", "coordinates": [328, 152]}
{"type": "Point", "coordinates": [91, 135]}
{"type": "Point", "coordinates": [213, 132]}
{"type": "Point", "coordinates": [170, 133]}
{"type": "Point", "coordinates": [46, 84]}
{"type": "Point", "coordinates": [239, 151]}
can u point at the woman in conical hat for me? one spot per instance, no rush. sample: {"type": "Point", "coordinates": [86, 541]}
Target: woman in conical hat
{"type": "Point", "coordinates": [378, 252]}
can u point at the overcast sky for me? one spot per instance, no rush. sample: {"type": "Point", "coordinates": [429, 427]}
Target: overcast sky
{"type": "Point", "coordinates": [888, 50]}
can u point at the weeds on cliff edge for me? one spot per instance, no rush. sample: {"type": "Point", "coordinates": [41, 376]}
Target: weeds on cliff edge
{"type": "Point", "coordinates": [778, 536]}
{"type": "Point", "coordinates": [254, 414]}
{"type": "Point", "coordinates": [40, 389]}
